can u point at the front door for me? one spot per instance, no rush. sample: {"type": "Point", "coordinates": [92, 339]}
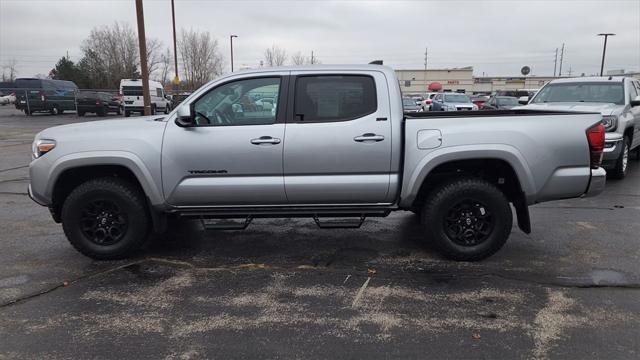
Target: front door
{"type": "Point", "coordinates": [338, 139]}
{"type": "Point", "coordinates": [233, 156]}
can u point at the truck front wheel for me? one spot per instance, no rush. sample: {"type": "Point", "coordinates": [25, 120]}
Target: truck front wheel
{"type": "Point", "coordinates": [106, 219]}
{"type": "Point", "coordinates": [467, 219]}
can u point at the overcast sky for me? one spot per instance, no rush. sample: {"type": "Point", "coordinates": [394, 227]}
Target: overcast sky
{"type": "Point", "coordinates": [495, 37]}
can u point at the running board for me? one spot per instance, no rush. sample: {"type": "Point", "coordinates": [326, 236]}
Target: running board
{"type": "Point", "coordinates": [225, 225]}
{"type": "Point", "coordinates": [283, 212]}
{"type": "Point", "coordinates": [340, 224]}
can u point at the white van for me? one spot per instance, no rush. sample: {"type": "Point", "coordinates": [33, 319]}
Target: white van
{"type": "Point", "coordinates": [131, 92]}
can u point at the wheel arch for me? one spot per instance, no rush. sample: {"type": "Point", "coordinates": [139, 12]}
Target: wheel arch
{"type": "Point", "coordinates": [497, 167]}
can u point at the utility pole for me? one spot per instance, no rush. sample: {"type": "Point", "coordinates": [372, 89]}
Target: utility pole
{"type": "Point", "coordinates": [555, 63]}
{"type": "Point", "coordinates": [604, 50]}
{"type": "Point", "coordinates": [143, 58]}
{"type": "Point", "coordinates": [176, 79]}
{"type": "Point", "coordinates": [561, 58]}
{"type": "Point", "coordinates": [312, 57]}
{"type": "Point", "coordinates": [425, 69]}
{"type": "Point", "coordinates": [231, 39]}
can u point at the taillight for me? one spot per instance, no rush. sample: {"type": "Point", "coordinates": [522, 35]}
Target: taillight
{"type": "Point", "coordinates": [98, 102]}
{"type": "Point", "coordinates": [595, 136]}
{"type": "Point", "coordinates": [428, 101]}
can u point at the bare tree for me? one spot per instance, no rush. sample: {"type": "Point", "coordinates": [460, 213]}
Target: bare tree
{"type": "Point", "coordinates": [275, 56]}
{"type": "Point", "coordinates": [166, 65]}
{"type": "Point", "coordinates": [299, 59]}
{"type": "Point", "coordinates": [201, 57]}
{"type": "Point", "coordinates": [110, 54]}
{"type": "Point", "coordinates": [9, 71]}
{"type": "Point", "coordinates": [154, 56]}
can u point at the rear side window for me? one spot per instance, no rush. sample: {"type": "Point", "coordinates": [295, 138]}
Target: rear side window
{"type": "Point", "coordinates": [633, 92]}
{"type": "Point", "coordinates": [326, 98]}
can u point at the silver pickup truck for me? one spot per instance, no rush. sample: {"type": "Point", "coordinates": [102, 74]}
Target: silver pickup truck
{"type": "Point", "coordinates": [616, 98]}
{"type": "Point", "coordinates": [334, 144]}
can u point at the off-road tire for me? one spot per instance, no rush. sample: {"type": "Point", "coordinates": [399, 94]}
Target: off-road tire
{"type": "Point", "coordinates": [442, 199]}
{"type": "Point", "coordinates": [622, 164]}
{"type": "Point", "coordinates": [129, 201]}
{"type": "Point", "coordinates": [55, 110]}
{"type": "Point", "coordinates": [81, 113]}
{"type": "Point", "coordinates": [127, 113]}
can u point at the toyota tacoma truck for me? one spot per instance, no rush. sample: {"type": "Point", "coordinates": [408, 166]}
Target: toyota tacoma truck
{"type": "Point", "coordinates": [334, 146]}
{"type": "Point", "coordinates": [616, 98]}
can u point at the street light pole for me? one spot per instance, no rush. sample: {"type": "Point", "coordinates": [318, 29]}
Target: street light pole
{"type": "Point", "coordinates": [176, 80]}
{"type": "Point", "coordinates": [143, 58]}
{"type": "Point", "coordinates": [231, 39]}
{"type": "Point", "coordinates": [604, 49]}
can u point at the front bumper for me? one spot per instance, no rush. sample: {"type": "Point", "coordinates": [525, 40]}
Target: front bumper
{"type": "Point", "coordinates": [612, 149]}
{"type": "Point", "coordinates": [597, 182]}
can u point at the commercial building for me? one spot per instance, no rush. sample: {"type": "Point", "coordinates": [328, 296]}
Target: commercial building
{"type": "Point", "coordinates": [462, 80]}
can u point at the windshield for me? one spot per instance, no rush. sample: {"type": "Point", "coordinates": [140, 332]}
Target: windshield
{"type": "Point", "coordinates": [132, 90]}
{"type": "Point", "coordinates": [581, 92]}
{"type": "Point", "coordinates": [456, 98]}
{"type": "Point", "coordinates": [508, 101]}
{"type": "Point", "coordinates": [408, 102]}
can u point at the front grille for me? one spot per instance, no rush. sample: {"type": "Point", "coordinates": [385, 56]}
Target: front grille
{"type": "Point", "coordinates": [128, 102]}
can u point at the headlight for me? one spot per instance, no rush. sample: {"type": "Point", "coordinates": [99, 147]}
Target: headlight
{"type": "Point", "coordinates": [610, 122]}
{"type": "Point", "coordinates": [42, 146]}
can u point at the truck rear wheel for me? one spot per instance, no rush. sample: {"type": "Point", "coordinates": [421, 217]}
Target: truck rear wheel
{"type": "Point", "coordinates": [105, 219]}
{"type": "Point", "coordinates": [467, 219]}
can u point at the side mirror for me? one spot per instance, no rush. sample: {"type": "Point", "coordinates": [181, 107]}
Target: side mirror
{"type": "Point", "coordinates": [184, 117]}
{"type": "Point", "coordinates": [635, 102]}
{"type": "Point", "coordinates": [524, 100]}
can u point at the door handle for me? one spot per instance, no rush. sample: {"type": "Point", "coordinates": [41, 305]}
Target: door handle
{"type": "Point", "coordinates": [368, 137]}
{"type": "Point", "coordinates": [265, 140]}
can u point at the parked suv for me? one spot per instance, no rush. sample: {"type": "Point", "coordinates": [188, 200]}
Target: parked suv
{"type": "Point", "coordinates": [99, 103]}
{"type": "Point", "coordinates": [616, 98]}
{"type": "Point", "coordinates": [452, 102]}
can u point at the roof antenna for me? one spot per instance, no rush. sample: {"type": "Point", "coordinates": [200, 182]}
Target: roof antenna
{"type": "Point", "coordinates": [376, 62]}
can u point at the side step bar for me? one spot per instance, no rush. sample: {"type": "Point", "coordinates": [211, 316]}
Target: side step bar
{"type": "Point", "coordinates": [339, 224]}
{"type": "Point", "coordinates": [226, 225]}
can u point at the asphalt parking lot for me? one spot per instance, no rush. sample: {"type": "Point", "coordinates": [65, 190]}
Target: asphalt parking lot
{"type": "Point", "coordinates": [286, 289]}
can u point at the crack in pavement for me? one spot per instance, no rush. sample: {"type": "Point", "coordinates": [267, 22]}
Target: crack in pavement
{"type": "Point", "coordinates": [14, 168]}
{"type": "Point", "coordinates": [258, 266]}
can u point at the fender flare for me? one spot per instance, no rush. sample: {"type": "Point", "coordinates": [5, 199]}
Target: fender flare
{"type": "Point", "coordinates": [411, 185]}
{"type": "Point", "coordinates": [111, 157]}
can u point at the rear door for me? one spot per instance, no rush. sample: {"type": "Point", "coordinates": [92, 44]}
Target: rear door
{"type": "Point", "coordinates": [338, 139]}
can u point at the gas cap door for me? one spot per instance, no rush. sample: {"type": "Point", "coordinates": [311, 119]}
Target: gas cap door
{"type": "Point", "coordinates": [429, 139]}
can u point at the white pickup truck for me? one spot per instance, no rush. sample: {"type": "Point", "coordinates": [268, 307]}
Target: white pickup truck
{"type": "Point", "coordinates": [333, 142]}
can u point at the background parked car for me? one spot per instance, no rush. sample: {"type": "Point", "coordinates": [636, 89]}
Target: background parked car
{"type": "Point", "coordinates": [501, 103]}
{"type": "Point", "coordinates": [54, 96]}
{"type": "Point", "coordinates": [409, 105]}
{"type": "Point", "coordinates": [479, 100]}
{"type": "Point", "coordinates": [99, 103]}
{"type": "Point", "coordinates": [178, 98]}
{"type": "Point", "coordinates": [131, 91]}
{"type": "Point", "coordinates": [8, 99]}
{"type": "Point", "coordinates": [452, 102]}
{"type": "Point", "coordinates": [425, 105]}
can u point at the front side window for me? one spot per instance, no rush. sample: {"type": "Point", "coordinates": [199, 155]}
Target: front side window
{"type": "Point", "coordinates": [158, 92]}
{"type": "Point", "coordinates": [326, 98]}
{"type": "Point", "coordinates": [582, 92]}
{"type": "Point", "coordinates": [242, 102]}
